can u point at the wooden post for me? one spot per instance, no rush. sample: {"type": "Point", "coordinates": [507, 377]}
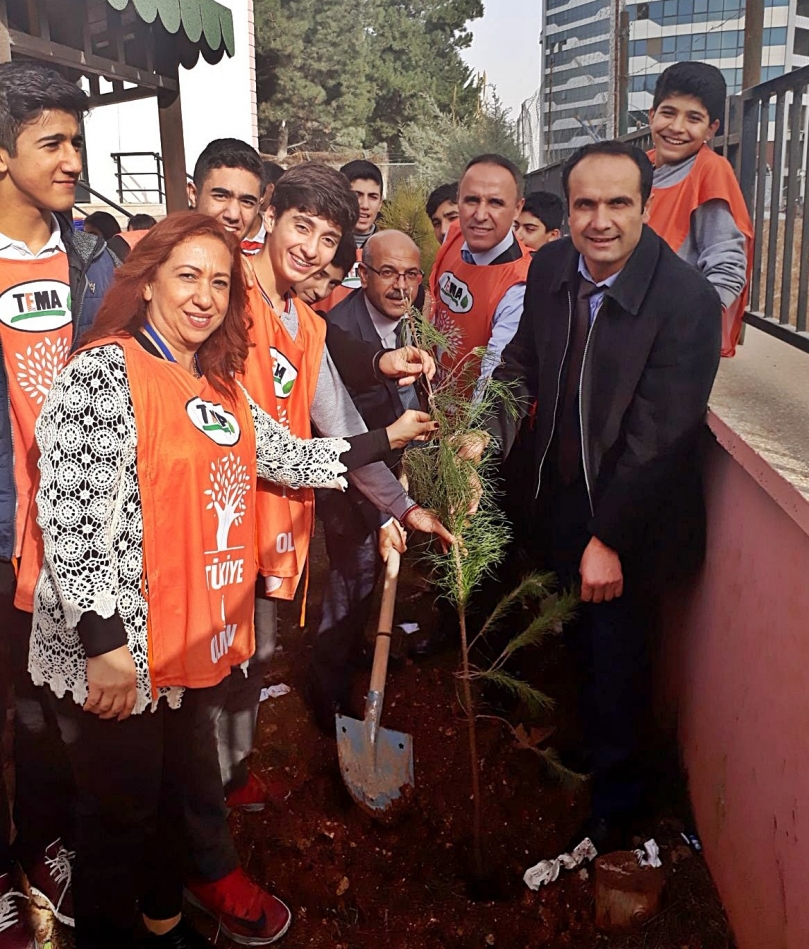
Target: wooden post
{"type": "Point", "coordinates": [753, 41]}
{"type": "Point", "coordinates": [173, 150]}
{"type": "Point", "coordinates": [5, 41]}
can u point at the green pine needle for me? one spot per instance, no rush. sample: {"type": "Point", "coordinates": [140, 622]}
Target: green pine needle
{"type": "Point", "coordinates": [536, 702]}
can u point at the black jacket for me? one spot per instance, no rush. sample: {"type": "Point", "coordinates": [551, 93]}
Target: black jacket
{"type": "Point", "coordinates": [379, 405]}
{"type": "Point", "coordinates": [649, 365]}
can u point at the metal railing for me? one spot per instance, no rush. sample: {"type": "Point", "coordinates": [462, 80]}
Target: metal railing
{"type": "Point", "coordinates": [101, 197]}
{"type": "Point", "coordinates": [772, 169]}
{"type": "Point", "coordinates": [767, 142]}
{"type": "Point", "coordinates": [153, 172]}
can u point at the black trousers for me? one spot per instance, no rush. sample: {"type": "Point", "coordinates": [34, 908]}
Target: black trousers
{"type": "Point", "coordinates": [354, 568]}
{"type": "Point", "coordinates": [44, 788]}
{"type": "Point", "coordinates": [611, 645]}
{"type": "Point", "coordinates": [130, 843]}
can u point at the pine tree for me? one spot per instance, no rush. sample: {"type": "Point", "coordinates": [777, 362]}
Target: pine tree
{"type": "Point", "coordinates": [353, 72]}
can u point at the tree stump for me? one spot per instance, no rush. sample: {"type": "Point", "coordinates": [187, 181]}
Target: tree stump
{"type": "Point", "coordinates": [627, 895]}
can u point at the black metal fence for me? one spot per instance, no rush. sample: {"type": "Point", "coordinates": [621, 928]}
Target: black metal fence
{"type": "Point", "coordinates": [766, 139]}
{"type": "Point", "coordinates": [153, 169]}
{"type": "Point", "coordinates": [772, 170]}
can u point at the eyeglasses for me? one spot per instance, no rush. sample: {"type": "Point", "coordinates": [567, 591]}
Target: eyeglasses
{"type": "Point", "coordinates": [388, 274]}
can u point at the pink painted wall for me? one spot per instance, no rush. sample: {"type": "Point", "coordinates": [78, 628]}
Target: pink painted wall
{"type": "Point", "coordinates": [737, 674]}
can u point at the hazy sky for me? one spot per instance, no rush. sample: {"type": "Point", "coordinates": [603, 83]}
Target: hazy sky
{"type": "Point", "coordinates": [506, 46]}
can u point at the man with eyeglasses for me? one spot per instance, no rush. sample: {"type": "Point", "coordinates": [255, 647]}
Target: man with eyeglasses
{"type": "Point", "coordinates": [357, 540]}
{"type": "Point", "coordinates": [478, 279]}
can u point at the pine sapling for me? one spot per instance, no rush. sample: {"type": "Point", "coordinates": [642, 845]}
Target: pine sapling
{"type": "Point", "coordinates": [462, 492]}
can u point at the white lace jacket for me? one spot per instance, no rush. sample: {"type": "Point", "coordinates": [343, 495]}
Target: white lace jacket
{"type": "Point", "coordinates": [90, 514]}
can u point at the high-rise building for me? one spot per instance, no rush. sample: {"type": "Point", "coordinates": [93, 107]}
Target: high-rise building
{"type": "Point", "coordinates": [577, 89]}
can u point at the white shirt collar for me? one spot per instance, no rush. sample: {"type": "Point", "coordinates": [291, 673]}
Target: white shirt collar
{"type": "Point", "coordinates": [384, 325]}
{"type": "Point", "coordinates": [19, 250]}
{"type": "Point", "coordinates": [484, 258]}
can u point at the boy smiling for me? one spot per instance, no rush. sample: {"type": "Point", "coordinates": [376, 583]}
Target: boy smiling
{"type": "Point", "coordinates": [697, 206]}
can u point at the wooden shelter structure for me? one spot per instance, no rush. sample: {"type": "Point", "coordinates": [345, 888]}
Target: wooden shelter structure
{"type": "Point", "coordinates": [137, 45]}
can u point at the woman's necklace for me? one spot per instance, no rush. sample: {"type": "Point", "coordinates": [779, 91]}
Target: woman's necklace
{"type": "Point", "coordinates": [157, 339]}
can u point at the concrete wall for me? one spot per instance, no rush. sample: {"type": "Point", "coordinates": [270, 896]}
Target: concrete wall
{"type": "Point", "coordinates": [737, 673]}
{"type": "Point", "coordinates": [218, 102]}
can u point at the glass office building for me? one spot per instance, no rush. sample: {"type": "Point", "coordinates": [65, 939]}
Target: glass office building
{"type": "Point", "coordinates": [712, 31]}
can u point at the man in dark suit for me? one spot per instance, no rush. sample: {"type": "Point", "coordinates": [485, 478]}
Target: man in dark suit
{"type": "Point", "coordinates": [356, 540]}
{"type": "Point", "coordinates": [618, 347]}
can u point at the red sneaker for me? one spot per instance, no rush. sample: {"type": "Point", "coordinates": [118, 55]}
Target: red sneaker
{"type": "Point", "coordinates": [50, 880]}
{"type": "Point", "coordinates": [257, 793]}
{"type": "Point", "coordinates": [246, 914]}
{"type": "Point", "coordinates": [14, 933]}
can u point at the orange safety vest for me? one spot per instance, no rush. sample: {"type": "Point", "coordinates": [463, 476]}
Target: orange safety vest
{"type": "Point", "coordinates": [36, 333]}
{"type": "Point", "coordinates": [347, 287]}
{"type": "Point", "coordinates": [465, 298]}
{"type": "Point", "coordinates": [196, 461]}
{"type": "Point", "coordinates": [710, 179]}
{"type": "Point", "coordinates": [281, 375]}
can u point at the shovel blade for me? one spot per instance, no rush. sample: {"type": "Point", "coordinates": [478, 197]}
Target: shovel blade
{"type": "Point", "coordinates": [378, 774]}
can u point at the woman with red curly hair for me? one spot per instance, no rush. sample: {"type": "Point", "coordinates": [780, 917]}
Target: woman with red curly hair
{"type": "Point", "coordinates": [150, 451]}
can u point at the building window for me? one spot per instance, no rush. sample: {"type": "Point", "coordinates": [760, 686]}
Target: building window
{"type": "Point", "coordinates": [801, 47]}
{"type": "Point", "coordinates": [802, 8]}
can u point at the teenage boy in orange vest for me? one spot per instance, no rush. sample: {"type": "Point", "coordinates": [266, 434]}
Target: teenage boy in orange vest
{"type": "Point", "coordinates": [540, 220]}
{"type": "Point", "coordinates": [478, 278]}
{"type": "Point", "coordinates": [52, 280]}
{"type": "Point", "coordinates": [365, 180]}
{"type": "Point", "coordinates": [697, 206]}
{"type": "Point", "coordinates": [290, 374]}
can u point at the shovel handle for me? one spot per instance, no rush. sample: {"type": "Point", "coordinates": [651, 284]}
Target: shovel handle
{"type": "Point", "coordinates": [379, 671]}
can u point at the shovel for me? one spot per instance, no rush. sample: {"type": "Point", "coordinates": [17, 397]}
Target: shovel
{"type": "Point", "coordinates": [377, 763]}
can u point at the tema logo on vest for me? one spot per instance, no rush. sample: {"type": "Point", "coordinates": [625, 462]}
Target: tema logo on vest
{"type": "Point", "coordinates": [455, 293]}
{"type": "Point", "coordinates": [284, 374]}
{"type": "Point", "coordinates": [37, 306]}
{"type": "Point", "coordinates": [212, 420]}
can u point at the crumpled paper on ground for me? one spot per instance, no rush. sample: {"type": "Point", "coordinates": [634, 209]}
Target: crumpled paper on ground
{"type": "Point", "coordinates": [650, 855]}
{"type": "Point", "coordinates": [274, 692]}
{"type": "Point", "coordinates": [546, 871]}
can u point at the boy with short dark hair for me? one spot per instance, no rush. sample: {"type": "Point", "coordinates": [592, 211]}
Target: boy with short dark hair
{"type": "Point", "coordinates": [698, 207]}
{"type": "Point", "coordinates": [365, 180]}
{"type": "Point", "coordinates": [227, 184]}
{"type": "Point", "coordinates": [52, 280]}
{"type": "Point", "coordinates": [540, 220]}
{"type": "Point", "coordinates": [442, 209]}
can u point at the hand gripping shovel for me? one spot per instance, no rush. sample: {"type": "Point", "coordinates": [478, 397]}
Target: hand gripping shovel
{"type": "Point", "coordinates": [377, 763]}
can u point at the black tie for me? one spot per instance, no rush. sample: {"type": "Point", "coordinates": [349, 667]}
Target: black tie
{"type": "Point", "coordinates": [569, 428]}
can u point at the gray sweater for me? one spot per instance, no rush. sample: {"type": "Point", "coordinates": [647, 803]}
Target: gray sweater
{"type": "Point", "coordinates": [714, 245]}
{"type": "Point", "coordinates": [334, 414]}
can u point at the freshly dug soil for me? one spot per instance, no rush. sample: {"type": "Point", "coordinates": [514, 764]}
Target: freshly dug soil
{"type": "Point", "coordinates": [354, 884]}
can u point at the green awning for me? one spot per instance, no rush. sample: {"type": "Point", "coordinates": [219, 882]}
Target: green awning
{"type": "Point", "coordinates": [201, 20]}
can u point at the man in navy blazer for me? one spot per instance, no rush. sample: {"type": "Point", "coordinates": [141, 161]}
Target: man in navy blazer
{"type": "Point", "coordinates": [356, 540]}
